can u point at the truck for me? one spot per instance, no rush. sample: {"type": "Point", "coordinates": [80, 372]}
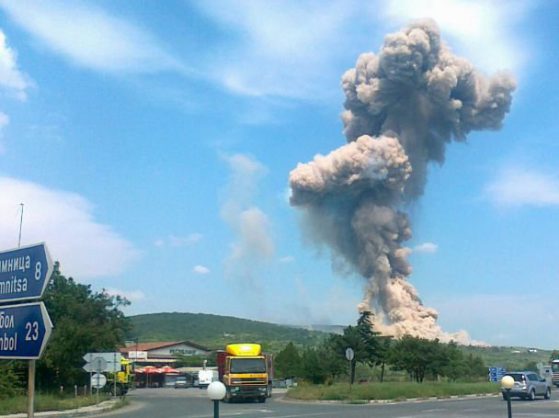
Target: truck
{"type": "Point", "coordinates": [245, 371]}
{"type": "Point", "coordinates": [124, 378]}
{"type": "Point", "coordinates": [555, 372]}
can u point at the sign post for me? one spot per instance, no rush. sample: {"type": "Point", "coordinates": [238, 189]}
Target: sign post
{"type": "Point", "coordinates": [349, 354]}
{"type": "Point", "coordinates": [24, 329]}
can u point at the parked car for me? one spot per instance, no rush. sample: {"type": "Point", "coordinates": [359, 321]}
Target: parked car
{"type": "Point", "coordinates": [181, 382]}
{"type": "Point", "coordinates": [528, 385]}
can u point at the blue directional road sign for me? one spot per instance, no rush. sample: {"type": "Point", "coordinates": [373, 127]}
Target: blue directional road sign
{"type": "Point", "coordinates": [24, 330]}
{"type": "Point", "coordinates": [24, 273]}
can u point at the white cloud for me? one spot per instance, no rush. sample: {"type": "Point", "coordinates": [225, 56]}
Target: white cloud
{"type": "Point", "coordinates": [484, 31]}
{"type": "Point", "coordinates": [179, 241]}
{"type": "Point", "coordinates": [199, 269]}
{"type": "Point", "coordinates": [280, 48]}
{"type": "Point", "coordinates": [89, 37]}
{"type": "Point", "coordinates": [4, 121]}
{"type": "Point", "coordinates": [518, 186]}
{"type": "Point", "coordinates": [130, 295]}
{"type": "Point", "coordinates": [85, 248]}
{"type": "Point", "coordinates": [253, 243]}
{"type": "Point", "coordinates": [12, 79]}
{"type": "Point", "coordinates": [426, 247]}
{"type": "Point", "coordinates": [487, 320]}
{"type": "Point", "coordinates": [294, 49]}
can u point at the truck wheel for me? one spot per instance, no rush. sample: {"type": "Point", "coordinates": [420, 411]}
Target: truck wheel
{"type": "Point", "coordinates": [262, 399]}
{"type": "Point", "coordinates": [227, 397]}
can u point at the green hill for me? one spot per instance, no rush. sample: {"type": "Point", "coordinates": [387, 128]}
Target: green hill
{"type": "Point", "coordinates": [215, 331]}
{"type": "Point", "coordinates": [511, 358]}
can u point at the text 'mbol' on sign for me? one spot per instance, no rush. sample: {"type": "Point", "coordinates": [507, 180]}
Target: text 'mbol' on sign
{"type": "Point", "coordinates": [24, 330]}
{"type": "Point", "coordinates": [24, 273]}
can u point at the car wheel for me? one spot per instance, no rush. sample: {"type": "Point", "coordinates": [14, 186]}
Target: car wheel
{"type": "Point", "coordinates": [547, 393]}
{"type": "Point", "coordinates": [532, 395]}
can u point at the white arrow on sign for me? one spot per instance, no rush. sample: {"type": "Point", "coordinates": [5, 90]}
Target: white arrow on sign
{"type": "Point", "coordinates": [114, 357]}
{"type": "Point", "coordinates": [109, 367]}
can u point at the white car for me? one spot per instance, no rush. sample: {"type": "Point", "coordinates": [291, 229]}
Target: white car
{"type": "Point", "coordinates": [205, 377]}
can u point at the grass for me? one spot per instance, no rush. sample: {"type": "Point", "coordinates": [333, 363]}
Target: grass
{"type": "Point", "coordinates": [18, 404]}
{"type": "Point", "coordinates": [389, 391]}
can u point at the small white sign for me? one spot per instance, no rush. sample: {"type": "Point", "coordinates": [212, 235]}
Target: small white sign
{"type": "Point", "coordinates": [138, 355]}
{"type": "Point", "coordinates": [98, 380]}
{"type": "Point", "coordinates": [109, 357]}
{"type": "Point", "coordinates": [349, 353]}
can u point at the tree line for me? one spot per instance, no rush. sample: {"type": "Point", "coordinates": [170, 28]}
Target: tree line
{"type": "Point", "coordinates": [84, 321]}
{"type": "Point", "coordinates": [419, 358]}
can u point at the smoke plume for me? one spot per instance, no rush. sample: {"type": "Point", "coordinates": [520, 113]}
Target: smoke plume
{"type": "Point", "coordinates": [402, 107]}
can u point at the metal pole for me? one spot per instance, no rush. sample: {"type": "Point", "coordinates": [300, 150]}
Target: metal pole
{"type": "Point", "coordinates": [216, 408]}
{"type": "Point", "coordinates": [20, 224]}
{"type": "Point", "coordinates": [31, 390]}
{"type": "Point", "coordinates": [508, 404]}
{"type": "Point", "coordinates": [115, 373]}
{"type": "Point", "coordinates": [350, 375]}
{"type": "Point", "coordinates": [32, 365]}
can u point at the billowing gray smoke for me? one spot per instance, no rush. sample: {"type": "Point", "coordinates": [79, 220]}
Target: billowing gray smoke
{"type": "Point", "coordinates": [402, 107]}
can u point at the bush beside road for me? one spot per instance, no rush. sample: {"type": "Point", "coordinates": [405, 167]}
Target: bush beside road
{"type": "Point", "coordinates": [18, 404]}
{"type": "Point", "coordinates": [389, 391]}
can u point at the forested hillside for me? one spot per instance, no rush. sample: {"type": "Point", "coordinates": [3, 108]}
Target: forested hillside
{"type": "Point", "coordinates": [214, 331]}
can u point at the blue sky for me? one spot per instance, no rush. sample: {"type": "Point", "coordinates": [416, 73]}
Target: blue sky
{"type": "Point", "coordinates": [151, 144]}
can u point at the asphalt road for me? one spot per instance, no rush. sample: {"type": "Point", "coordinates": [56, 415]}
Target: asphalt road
{"type": "Point", "coordinates": [193, 403]}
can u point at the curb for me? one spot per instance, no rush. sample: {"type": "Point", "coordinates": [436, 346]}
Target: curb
{"type": "Point", "coordinates": [86, 410]}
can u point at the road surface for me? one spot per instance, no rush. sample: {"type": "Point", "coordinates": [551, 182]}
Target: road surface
{"type": "Point", "coordinates": [193, 403]}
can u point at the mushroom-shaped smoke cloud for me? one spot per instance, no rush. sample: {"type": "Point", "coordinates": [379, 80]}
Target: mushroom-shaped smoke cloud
{"type": "Point", "coordinates": [402, 107]}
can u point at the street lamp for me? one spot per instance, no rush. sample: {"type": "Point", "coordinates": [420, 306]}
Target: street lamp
{"type": "Point", "coordinates": [216, 392]}
{"type": "Point", "coordinates": [507, 383]}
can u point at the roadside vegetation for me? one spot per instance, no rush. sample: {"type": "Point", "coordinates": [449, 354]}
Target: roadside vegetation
{"type": "Point", "coordinates": [45, 402]}
{"type": "Point", "coordinates": [390, 391]}
{"type": "Point", "coordinates": [84, 321]}
{"type": "Point", "coordinates": [382, 368]}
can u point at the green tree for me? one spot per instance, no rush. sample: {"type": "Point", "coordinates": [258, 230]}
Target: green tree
{"type": "Point", "coordinates": [312, 366]}
{"type": "Point", "coordinates": [455, 367]}
{"type": "Point", "coordinates": [554, 355]}
{"type": "Point", "coordinates": [84, 321]}
{"type": "Point", "coordinates": [383, 353]}
{"type": "Point", "coordinates": [532, 366]}
{"type": "Point", "coordinates": [418, 356]}
{"type": "Point", "coordinates": [10, 382]}
{"type": "Point", "coordinates": [362, 339]}
{"type": "Point", "coordinates": [475, 369]}
{"type": "Point", "coordinates": [288, 362]}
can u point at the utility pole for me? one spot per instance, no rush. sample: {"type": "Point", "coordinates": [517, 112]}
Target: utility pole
{"type": "Point", "coordinates": [20, 225]}
{"type": "Point", "coordinates": [32, 365]}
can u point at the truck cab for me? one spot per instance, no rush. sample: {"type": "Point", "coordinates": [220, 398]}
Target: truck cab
{"type": "Point", "coordinates": [245, 371]}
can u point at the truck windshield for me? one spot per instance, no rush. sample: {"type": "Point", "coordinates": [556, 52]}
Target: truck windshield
{"type": "Point", "coordinates": [248, 365]}
{"type": "Point", "coordinates": [555, 367]}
